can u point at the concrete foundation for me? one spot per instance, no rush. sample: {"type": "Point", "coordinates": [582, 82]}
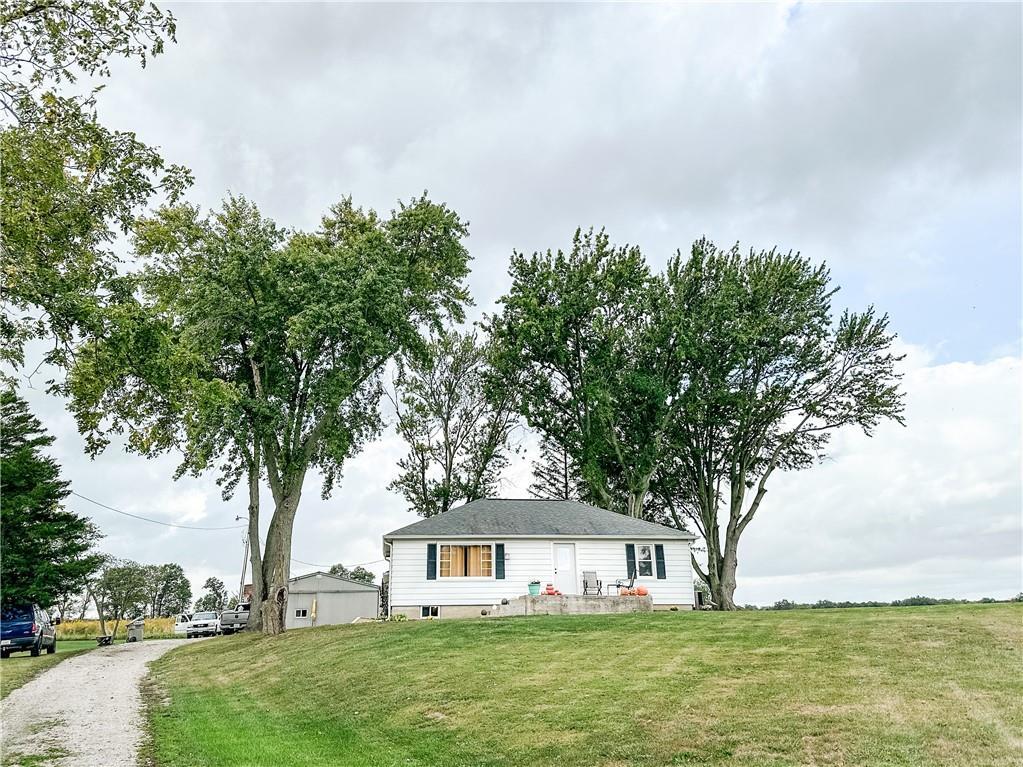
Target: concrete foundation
{"type": "Point", "coordinates": [571, 604]}
{"type": "Point", "coordinates": [567, 604]}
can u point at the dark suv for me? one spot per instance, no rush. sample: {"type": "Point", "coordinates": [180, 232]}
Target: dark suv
{"type": "Point", "coordinates": [26, 628]}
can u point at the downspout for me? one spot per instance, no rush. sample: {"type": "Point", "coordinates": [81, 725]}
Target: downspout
{"type": "Point", "coordinates": [388, 547]}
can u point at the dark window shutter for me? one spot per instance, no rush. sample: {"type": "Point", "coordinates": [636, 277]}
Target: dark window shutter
{"type": "Point", "coordinates": [431, 561]}
{"type": "Point", "coordinates": [659, 556]}
{"type": "Point", "coordinates": [630, 559]}
{"type": "Point", "coordinates": [499, 561]}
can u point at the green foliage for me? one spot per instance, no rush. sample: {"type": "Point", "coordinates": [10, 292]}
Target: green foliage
{"type": "Point", "coordinates": [456, 429]}
{"type": "Point", "coordinates": [255, 350]}
{"type": "Point", "coordinates": [120, 592]}
{"type": "Point", "coordinates": [58, 41]}
{"type": "Point", "coordinates": [169, 590]}
{"type": "Point", "coordinates": [555, 475]}
{"type": "Point", "coordinates": [676, 396]}
{"type": "Point", "coordinates": [215, 597]}
{"type": "Point", "coordinates": [827, 604]}
{"type": "Point", "coordinates": [769, 377]}
{"type": "Point", "coordinates": [69, 184]}
{"type": "Point", "coordinates": [46, 548]}
{"type": "Point", "coordinates": [584, 336]}
{"type": "Point", "coordinates": [357, 573]}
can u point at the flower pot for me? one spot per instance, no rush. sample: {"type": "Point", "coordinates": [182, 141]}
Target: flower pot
{"type": "Point", "coordinates": [534, 588]}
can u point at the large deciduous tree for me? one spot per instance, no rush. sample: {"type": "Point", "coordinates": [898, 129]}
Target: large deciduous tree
{"type": "Point", "coordinates": [769, 376]}
{"type": "Point", "coordinates": [69, 185]}
{"type": "Point", "coordinates": [215, 597]}
{"type": "Point", "coordinates": [586, 337]}
{"type": "Point", "coordinates": [455, 422]}
{"type": "Point", "coordinates": [119, 593]}
{"type": "Point", "coordinates": [261, 352]}
{"type": "Point", "coordinates": [169, 590]}
{"type": "Point", "coordinates": [45, 550]}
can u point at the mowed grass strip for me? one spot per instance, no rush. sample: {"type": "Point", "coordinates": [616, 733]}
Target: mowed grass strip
{"type": "Point", "coordinates": [889, 686]}
{"type": "Point", "coordinates": [22, 667]}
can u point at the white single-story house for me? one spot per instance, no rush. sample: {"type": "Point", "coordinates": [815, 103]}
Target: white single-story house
{"type": "Point", "coordinates": [321, 599]}
{"type": "Point", "coordinates": [469, 558]}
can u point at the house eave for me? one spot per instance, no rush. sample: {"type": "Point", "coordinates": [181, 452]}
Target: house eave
{"type": "Point", "coordinates": [543, 536]}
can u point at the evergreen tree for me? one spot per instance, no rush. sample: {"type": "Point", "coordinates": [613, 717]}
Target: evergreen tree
{"type": "Point", "coordinates": [555, 475]}
{"type": "Point", "coordinates": [46, 548]}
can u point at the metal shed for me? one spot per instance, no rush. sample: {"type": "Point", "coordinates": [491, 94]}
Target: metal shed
{"type": "Point", "coordinates": [322, 599]}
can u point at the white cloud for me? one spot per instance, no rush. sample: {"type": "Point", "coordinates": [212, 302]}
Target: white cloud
{"type": "Point", "coordinates": [934, 505]}
{"type": "Point", "coordinates": [883, 139]}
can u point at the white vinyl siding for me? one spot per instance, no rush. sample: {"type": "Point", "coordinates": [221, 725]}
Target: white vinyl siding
{"type": "Point", "coordinates": [525, 560]}
{"type": "Point", "coordinates": [529, 559]}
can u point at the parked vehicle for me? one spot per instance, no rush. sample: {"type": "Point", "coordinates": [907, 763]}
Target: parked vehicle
{"type": "Point", "coordinates": [203, 624]}
{"type": "Point", "coordinates": [26, 628]}
{"type": "Point", "coordinates": [235, 620]}
{"type": "Point", "coordinates": [181, 623]}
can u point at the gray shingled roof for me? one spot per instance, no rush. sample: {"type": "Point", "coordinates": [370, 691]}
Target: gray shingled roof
{"type": "Point", "coordinates": [502, 517]}
{"type": "Point", "coordinates": [338, 582]}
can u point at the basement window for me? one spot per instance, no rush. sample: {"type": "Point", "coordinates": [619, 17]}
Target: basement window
{"type": "Point", "coordinates": [475, 561]}
{"type": "Point", "coordinates": [429, 611]}
{"type": "Point", "coordinates": [301, 612]}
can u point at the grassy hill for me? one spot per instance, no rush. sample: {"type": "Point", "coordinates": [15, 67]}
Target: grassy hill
{"type": "Point", "coordinates": [889, 686]}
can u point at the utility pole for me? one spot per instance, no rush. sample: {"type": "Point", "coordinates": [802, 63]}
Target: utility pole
{"type": "Point", "coordinates": [245, 563]}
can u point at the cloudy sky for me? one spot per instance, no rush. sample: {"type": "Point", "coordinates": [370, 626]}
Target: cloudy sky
{"type": "Point", "coordinates": [882, 139]}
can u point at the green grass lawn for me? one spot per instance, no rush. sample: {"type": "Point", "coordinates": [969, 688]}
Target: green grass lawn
{"type": "Point", "coordinates": [21, 667]}
{"type": "Point", "coordinates": [890, 686]}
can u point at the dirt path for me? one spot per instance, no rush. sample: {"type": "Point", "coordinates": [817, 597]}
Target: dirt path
{"type": "Point", "coordinates": [86, 711]}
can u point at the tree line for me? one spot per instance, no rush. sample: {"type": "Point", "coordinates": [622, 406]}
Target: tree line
{"type": "Point", "coordinates": [259, 352]}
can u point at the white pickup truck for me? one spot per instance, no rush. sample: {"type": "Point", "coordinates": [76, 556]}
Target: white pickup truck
{"type": "Point", "coordinates": [181, 621]}
{"type": "Point", "coordinates": [203, 624]}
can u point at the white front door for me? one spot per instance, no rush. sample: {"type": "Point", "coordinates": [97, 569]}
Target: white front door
{"type": "Point", "coordinates": [564, 568]}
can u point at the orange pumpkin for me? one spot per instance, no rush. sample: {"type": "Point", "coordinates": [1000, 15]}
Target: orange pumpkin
{"type": "Point", "coordinates": [641, 591]}
{"type": "Point", "coordinates": [623, 592]}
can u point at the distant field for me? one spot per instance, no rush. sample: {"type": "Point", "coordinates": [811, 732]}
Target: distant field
{"type": "Point", "coordinates": [156, 628]}
{"type": "Point", "coordinates": [22, 667]}
{"type": "Point", "coordinates": [889, 686]}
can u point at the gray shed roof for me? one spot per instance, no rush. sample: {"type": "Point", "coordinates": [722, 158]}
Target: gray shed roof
{"type": "Point", "coordinates": [322, 581]}
{"type": "Point", "coordinates": [510, 517]}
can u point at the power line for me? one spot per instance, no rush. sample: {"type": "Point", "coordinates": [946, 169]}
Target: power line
{"type": "Point", "coordinates": [193, 527]}
{"type": "Point", "coordinates": [154, 521]}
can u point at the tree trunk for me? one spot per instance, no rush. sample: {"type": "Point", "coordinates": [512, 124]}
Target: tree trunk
{"type": "Point", "coordinates": [102, 618]}
{"type": "Point", "coordinates": [255, 553]}
{"type": "Point", "coordinates": [277, 561]}
{"type": "Point", "coordinates": [724, 590]}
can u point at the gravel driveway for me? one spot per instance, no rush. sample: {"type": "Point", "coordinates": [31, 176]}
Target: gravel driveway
{"type": "Point", "coordinates": [83, 712]}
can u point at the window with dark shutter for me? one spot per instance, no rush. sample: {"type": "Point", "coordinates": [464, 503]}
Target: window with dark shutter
{"type": "Point", "coordinates": [659, 556]}
{"type": "Point", "coordinates": [431, 561]}
{"type": "Point", "coordinates": [630, 560]}
{"type": "Point", "coordinates": [499, 561]}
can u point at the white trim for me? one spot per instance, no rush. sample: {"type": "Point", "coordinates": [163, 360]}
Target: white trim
{"type": "Point", "coordinates": [653, 559]}
{"type": "Point", "coordinates": [575, 565]}
{"type": "Point", "coordinates": [567, 536]}
{"type": "Point", "coordinates": [467, 578]}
